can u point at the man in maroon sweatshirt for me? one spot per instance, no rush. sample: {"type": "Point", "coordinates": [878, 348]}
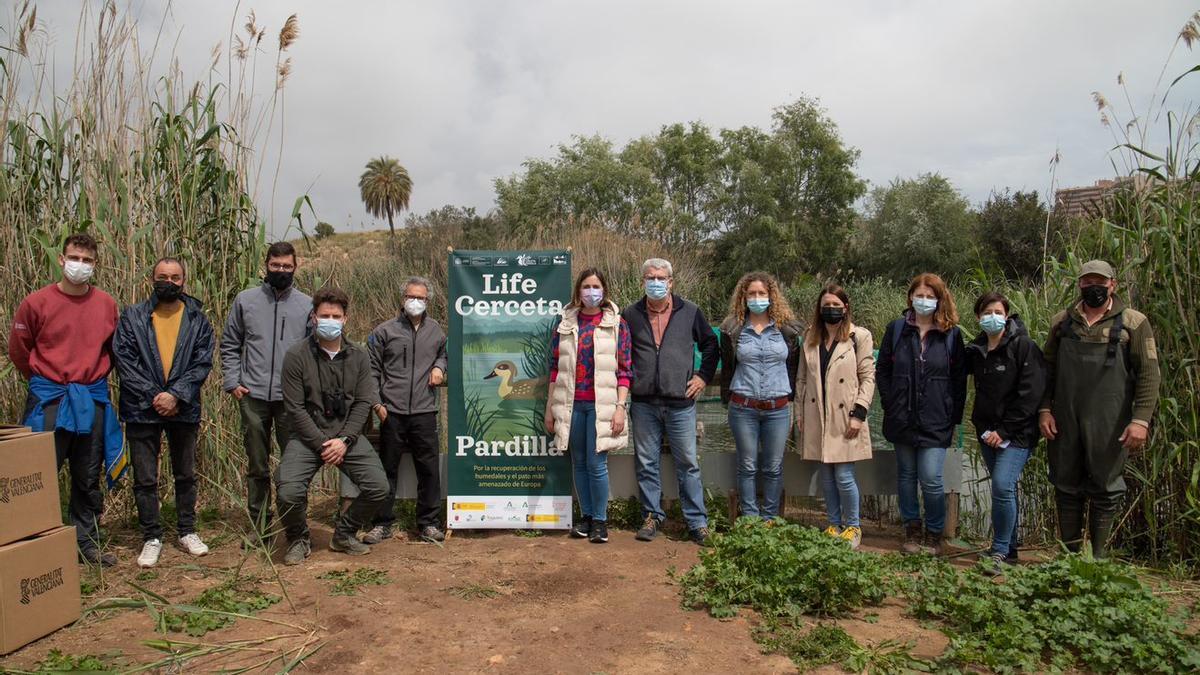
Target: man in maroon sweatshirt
{"type": "Point", "coordinates": [61, 342]}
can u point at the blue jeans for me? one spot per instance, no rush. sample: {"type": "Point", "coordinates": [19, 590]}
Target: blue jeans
{"type": "Point", "coordinates": [760, 437]}
{"type": "Point", "coordinates": [1004, 465]}
{"type": "Point", "coordinates": [651, 422]}
{"type": "Point", "coordinates": [924, 465]}
{"type": "Point", "coordinates": [841, 494]}
{"type": "Point", "coordinates": [591, 467]}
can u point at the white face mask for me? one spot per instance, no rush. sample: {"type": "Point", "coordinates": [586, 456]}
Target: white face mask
{"type": "Point", "coordinates": [78, 272]}
{"type": "Point", "coordinates": [414, 307]}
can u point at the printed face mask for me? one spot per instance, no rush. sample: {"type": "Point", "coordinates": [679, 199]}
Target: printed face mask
{"type": "Point", "coordinates": [167, 291]}
{"type": "Point", "coordinates": [758, 305]}
{"type": "Point", "coordinates": [925, 306]}
{"type": "Point", "coordinates": [414, 307]}
{"type": "Point", "coordinates": [656, 289]}
{"type": "Point", "coordinates": [78, 272]}
{"type": "Point", "coordinates": [1095, 296]}
{"type": "Point", "coordinates": [992, 324]}
{"type": "Point", "coordinates": [591, 297]}
{"type": "Point", "coordinates": [329, 329]}
{"type": "Point", "coordinates": [832, 315]}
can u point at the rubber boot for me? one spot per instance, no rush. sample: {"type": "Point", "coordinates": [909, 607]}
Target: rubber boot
{"type": "Point", "coordinates": [1070, 520]}
{"type": "Point", "coordinates": [1100, 522]}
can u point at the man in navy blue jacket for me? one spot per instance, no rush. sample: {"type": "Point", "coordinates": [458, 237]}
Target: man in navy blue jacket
{"type": "Point", "coordinates": [164, 351]}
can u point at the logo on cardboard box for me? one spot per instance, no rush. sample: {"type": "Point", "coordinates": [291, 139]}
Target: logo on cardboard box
{"type": "Point", "coordinates": [31, 587]}
{"type": "Point", "coordinates": [21, 485]}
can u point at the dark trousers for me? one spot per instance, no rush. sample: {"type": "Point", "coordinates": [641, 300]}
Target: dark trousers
{"type": "Point", "coordinates": [298, 466]}
{"type": "Point", "coordinates": [85, 454]}
{"type": "Point", "coordinates": [259, 419]}
{"type": "Point", "coordinates": [417, 434]}
{"type": "Point", "coordinates": [145, 442]}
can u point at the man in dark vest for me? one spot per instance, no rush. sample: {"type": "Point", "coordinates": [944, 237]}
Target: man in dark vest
{"type": "Point", "coordinates": [1101, 393]}
{"type": "Point", "coordinates": [665, 330]}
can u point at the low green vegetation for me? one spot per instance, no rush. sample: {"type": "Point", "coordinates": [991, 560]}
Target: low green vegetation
{"type": "Point", "coordinates": [474, 591]}
{"type": "Point", "coordinates": [824, 644]}
{"type": "Point", "coordinates": [1070, 613]}
{"type": "Point", "coordinates": [58, 662]}
{"type": "Point", "coordinates": [215, 608]}
{"type": "Point", "coordinates": [779, 568]}
{"type": "Point", "coordinates": [346, 582]}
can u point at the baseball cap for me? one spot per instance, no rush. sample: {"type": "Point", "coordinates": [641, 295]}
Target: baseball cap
{"type": "Point", "coordinates": [1097, 267]}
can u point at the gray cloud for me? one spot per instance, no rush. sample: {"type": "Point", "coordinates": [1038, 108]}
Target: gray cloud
{"type": "Point", "coordinates": [462, 92]}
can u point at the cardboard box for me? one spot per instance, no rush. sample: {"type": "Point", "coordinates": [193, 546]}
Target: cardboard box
{"type": "Point", "coordinates": [28, 484]}
{"type": "Point", "coordinates": [39, 587]}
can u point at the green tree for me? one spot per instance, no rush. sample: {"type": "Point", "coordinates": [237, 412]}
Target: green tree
{"type": "Point", "coordinates": [1011, 227]}
{"type": "Point", "coordinates": [324, 230]}
{"type": "Point", "coordinates": [385, 187]}
{"type": "Point", "coordinates": [916, 225]}
{"type": "Point", "coordinates": [796, 186]}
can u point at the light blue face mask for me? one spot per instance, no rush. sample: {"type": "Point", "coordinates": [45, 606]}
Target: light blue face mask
{"type": "Point", "coordinates": [656, 289]}
{"type": "Point", "coordinates": [992, 324]}
{"type": "Point", "coordinates": [758, 305]}
{"type": "Point", "coordinates": [924, 306]}
{"type": "Point", "coordinates": [329, 329]}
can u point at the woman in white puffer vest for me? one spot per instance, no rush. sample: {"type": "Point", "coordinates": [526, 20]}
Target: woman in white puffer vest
{"type": "Point", "coordinates": [590, 374]}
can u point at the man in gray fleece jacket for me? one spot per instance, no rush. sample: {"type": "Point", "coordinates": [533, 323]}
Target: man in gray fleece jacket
{"type": "Point", "coordinates": [408, 359]}
{"type": "Point", "coordinates": [328, 391]}
{"type": "Point", "coordinates": [262, 324]}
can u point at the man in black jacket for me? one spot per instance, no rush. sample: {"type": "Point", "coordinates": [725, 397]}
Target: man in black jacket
{"type": "Point", "coordinates": [665, 330]}
{"type": "Point", "coordinates": [164, 351]}
{"type": "Point", "coordinates": [328, 391]}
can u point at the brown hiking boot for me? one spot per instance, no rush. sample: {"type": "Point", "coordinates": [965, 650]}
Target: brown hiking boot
{"type": "Point", "coordinates": [912, 538]}
{"type": "Point", "coordinates": [933, 544]}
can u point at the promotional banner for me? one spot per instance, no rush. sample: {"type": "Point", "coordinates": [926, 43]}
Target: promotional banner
{"type": "Point", "coordinates": [502, 470]}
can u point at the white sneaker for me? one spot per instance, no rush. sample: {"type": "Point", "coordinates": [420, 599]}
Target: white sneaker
{"type": "Point", "coordinates": [150, 551]}
{"type": "Point", "coordinates": [192, 544]}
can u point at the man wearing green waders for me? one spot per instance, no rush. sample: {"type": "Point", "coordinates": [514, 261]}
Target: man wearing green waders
{"type": "Point", "coordinates": [1101, 393]}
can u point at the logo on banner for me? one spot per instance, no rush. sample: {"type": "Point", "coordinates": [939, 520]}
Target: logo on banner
{"type": "Point", "coordinates": [526, 260]}
{"type": "Point", "coordinates": [501, 262]}
{"type": "Point", "coordinates": [560, 260]}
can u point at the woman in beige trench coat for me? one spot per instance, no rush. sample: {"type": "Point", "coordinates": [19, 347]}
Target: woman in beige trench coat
{"type": "Point", "coordinates": [835, 382]}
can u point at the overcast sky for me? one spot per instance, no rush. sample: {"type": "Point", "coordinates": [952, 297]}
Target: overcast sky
{"type": "Point", "coordinates": [462, 92]}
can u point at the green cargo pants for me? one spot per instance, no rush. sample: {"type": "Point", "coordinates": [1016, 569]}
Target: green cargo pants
{"type": "Point", "coordinates": [259, 419]}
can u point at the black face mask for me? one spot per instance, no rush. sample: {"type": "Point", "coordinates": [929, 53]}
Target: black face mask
{"type": "Point", "coordinates": [1095, 296]}
{"type": "Point", "coordinates": [832, 315]}
{"type": "Point", "coordinates": [280, 280]}
{"type": "Point", "coordinates": [167, 291]}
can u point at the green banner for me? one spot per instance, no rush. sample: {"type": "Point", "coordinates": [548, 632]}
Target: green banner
{"type": "Point", "coordinates": [502, 470]}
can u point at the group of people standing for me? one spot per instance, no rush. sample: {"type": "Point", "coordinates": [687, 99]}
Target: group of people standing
{"type": "Point", "coordinates": [1091, 392]}
{"type": "Point", "coordinates": [284, 359]}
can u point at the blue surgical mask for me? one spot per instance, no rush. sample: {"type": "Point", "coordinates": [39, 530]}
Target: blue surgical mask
{"type": "Point", "coordinates": [591, 296]}
{"type": "Point", "coordinates": [758, 305]}
{"type": "Point", "coordinates": [656, 289]}
{"type": "Point", "coordinates": [924, 306]}
{"type": "Point", "coordinates": [992, 324]}
{"type": "Point", "coordinates": [329, 329]}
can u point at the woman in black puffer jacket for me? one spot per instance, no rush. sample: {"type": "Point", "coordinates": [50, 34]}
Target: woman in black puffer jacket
{"type": "Point", "coordinates": [1009, 378]}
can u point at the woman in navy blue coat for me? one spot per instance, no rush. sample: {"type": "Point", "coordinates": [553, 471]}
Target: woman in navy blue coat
{"type": "Point", "coordinates": [921, 377]}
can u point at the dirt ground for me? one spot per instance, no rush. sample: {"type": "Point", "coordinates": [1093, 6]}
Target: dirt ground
{"type": "Point", "coordinates": [484, 602]}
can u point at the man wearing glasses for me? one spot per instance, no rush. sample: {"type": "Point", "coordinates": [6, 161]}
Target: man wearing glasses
{"type": "Point", "coordinates": [67, 368]}
{"type": "Point", "coordinates": [666, 330]}
{"type": "Point", "coordinates": [263, 323]}
{"type": "Point", "coordinates": [408, 359]}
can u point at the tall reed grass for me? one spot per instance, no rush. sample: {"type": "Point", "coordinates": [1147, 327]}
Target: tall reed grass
{"type": "Point", "coordinates": [150, 161]}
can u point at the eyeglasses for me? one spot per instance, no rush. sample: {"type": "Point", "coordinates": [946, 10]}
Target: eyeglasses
{"type": "Point", "coordinates": [281, 267]}
{"type": "Point", "coordinates": [422, 298]}
{"type": "Point", "coordinates": [650, 277]}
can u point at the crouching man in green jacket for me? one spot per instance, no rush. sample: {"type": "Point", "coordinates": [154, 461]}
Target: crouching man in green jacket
{"type": "Point", "coordinates": [328, 391]}
{"type": "Point", "coordinates": [1101, 393]}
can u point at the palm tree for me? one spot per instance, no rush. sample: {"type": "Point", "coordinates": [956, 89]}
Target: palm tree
{"type": "Point", "coordinates": [385, 187]}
